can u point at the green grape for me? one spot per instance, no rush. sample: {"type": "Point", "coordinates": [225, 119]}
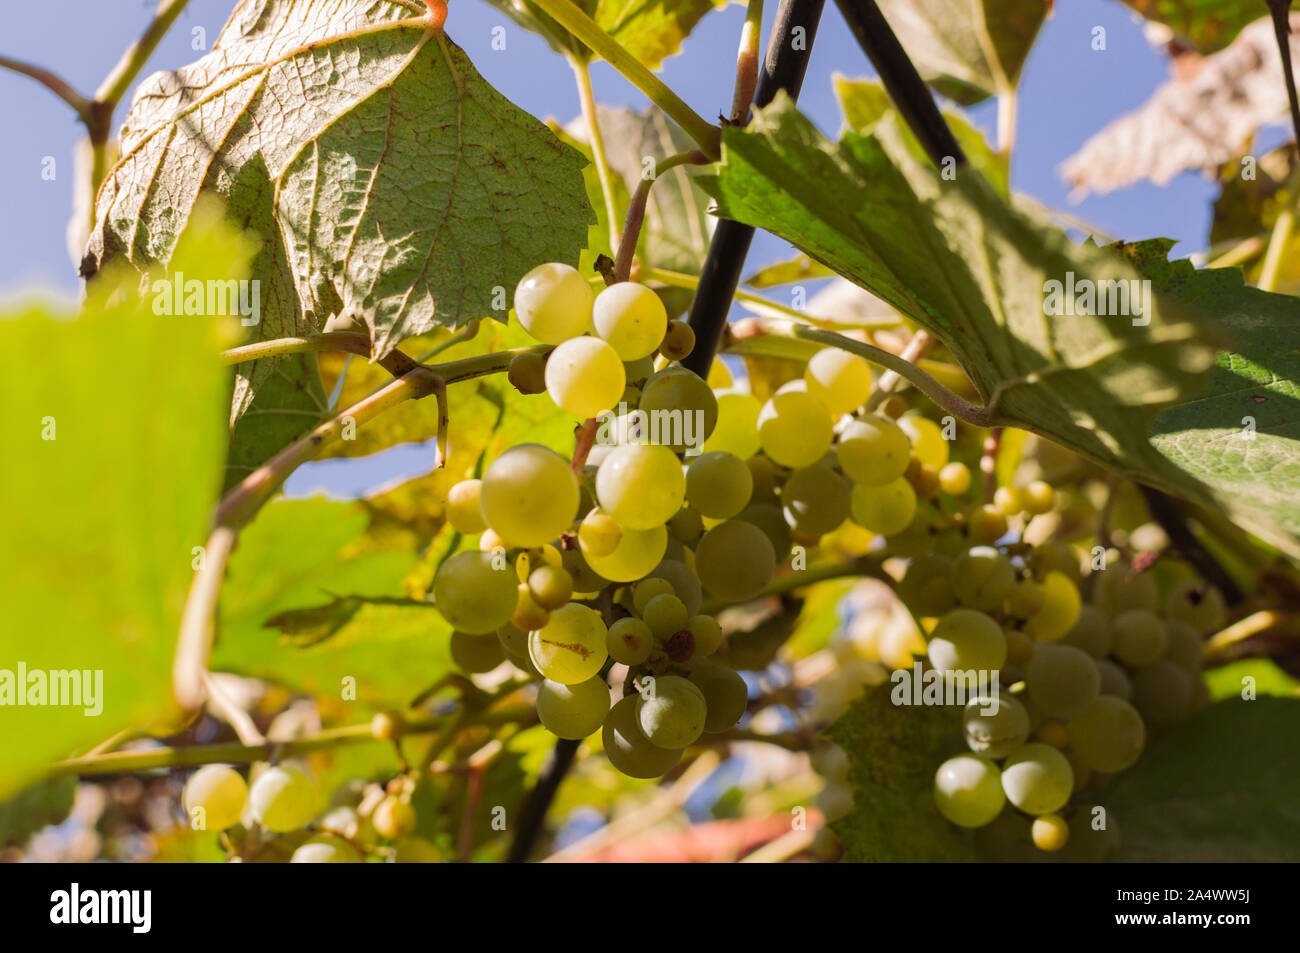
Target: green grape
{"type": "Point", "coordinates": [681, 407]}
{"type": "Point", "coordinates": [1009, 500]}
{"type": "Point", "coordinates": [1059, 556]}
{"type": "Point", "coordinates": [1198, 605]}
{"type": "Point", "coordinates": [737, 429]}
{"type": "Point", "coordinates": [1114, 680]}
{"type": "Point", "coordinates": [966, 640]}
{"type": "Point", "coordinates": [1089, 844]}
{"type": "Point", "coordinates": [325, 849]}
{"type": "Point", "coordinates": [816, 500]}
{"type": "Point", "coordinates": [884, 509]}
{"type": "Point", "coordinates": [573, 711]}
{"type": "Point", "coordinates": [529, 495]}
{"type": "Point", "coordinates": [666, 615]}
{"type": "Point", "coordinates": [994, 725]}
{"type": "Point", "coordinates": [585, 579]}
{"type": "Point", "coordinates": [678, 342]}
{"type": "Point", "coordinates": [527, 373]}
{"type": "Point", "coordinates": [283, 798]}
{"type": "Point", "coordinates": [570, 648]}
{"type": "Point", "coordinates": [968, 790]}
{"type": "Point", "coordinates": [987, 524]}
{"type": "Point", "coordinates": [874, 451]}
{"type": "Point", "coordinates": [214, 797]}
{"type": "Point", "coordinates": [641, 485]}
{"type": "Point", "coordinates": [647, 589]}
{"type": "Point", "coordinates": [528, 615]}
{"type": "Point", "coordinates": [553, 303]}
{"type": "Point", "coordinates": [718, 485]}
{"type": "Point", "coordinates": [1162, 693]}
{"type": "Point", "coordinates": [685, 583]}
{"type": "Point", "coordinates": [1091, 632]}
{"type": "Point", "coordinates": [639, 551]}
{"type": "Point", "coordinates": [599, 533]}
{"type": "Point", "coordinates": [926, 587]}
{"type": "Point", "coordinates": [393, 818]}
{"type": "Point", "coordinates": [1062, 680]}
{"type": "Point", "coordinates": [1138, 637]}
{"type": "Point", "coordinates": [1118, 589]}
{"type": "Point", "coordinates": [840, 380]}
{"type": "Point", "coordinates": [550, 586]}
{"type": "Point", "coordinates": [1050, 832]}
{"type": "Point", "coordinates": [735, 560]}
{"type": "Point", "coordinates": [954, 479]}
{"type": "Point", "coordinates": [770, 520]}
{"type": "Point", "coordinates": [1186, 648]}
{"type": "Point", "coordinates": [1039, 498]}
{"type": "Point", "coordinates": [631, 318]}
{"type": "Point", "coordinates": [707, 633]}
{"type": "Point", "coordinates": [725, 693]}
{"type": "Point", "coordinates": [463, 510]}
{"type": "Point", "coordinates": [639, 371]}
{"type": "Point", "coordinates": [983, 578]}
{"type": "Point", "coordinates": [671, 711]}
{"type": "Point", "coordinates": [584, 376]}
{"type": "Point", "coordinates": [626, 745]}
{"type": "Point", "coordinates": [687, 526]}
{"type": "Point", "coordinates": [928, 443]}
{"type": "Point", "coordinates": [1026, 599]}
{"type": "Point", "coordinates": [629, 641]}
{"type": "Point", "coordinates": [1060, 609]}
{"type": "Point", "coordinates": [476, 653]}
{"type": "Point", "coordinates": [473, 594]}
{"type": "Point", "coordinates": [1108, 735]}
{"type": "Point", "coordinates": [1037, 778]}
{"type": "Point", "coordinates": [513, 639]}
{"type": "Point", "coordinates": [795, 429]}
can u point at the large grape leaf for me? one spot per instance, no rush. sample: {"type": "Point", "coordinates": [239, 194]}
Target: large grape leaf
{"type": "Point", "coordinates": [1206, 25]}
{"type": "Point", "coordinates": [967, 49]}
{"type": "Point", "coordinates": [1220, 787]}
{"type": "Point", "coordinates": [387, 179]}
{"type": "Point", "coordinates": [955, 258]}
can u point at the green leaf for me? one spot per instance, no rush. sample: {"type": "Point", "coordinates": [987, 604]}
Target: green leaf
{"type": "Point", "coordinates": [968, 50]}
{"type": "Point", "coordinates": [956, 259]}
{"type": "Point", "coordinates": [35, 807]}
{"type": "Point", "coordinates": [800, 268]}
{"type": "Point", "coordinates": [1265, 678]}
{"type": "Point", "coordinates": [289, 402]}
{"type": "Point", "coordinates": [386, 178]}
{"type": "Point", "coordinates": [1206, 25]}
{"type": "Point", "coordinates": [1221, 787]}
{"type": "Point", "coordinates": [893, 753]}
{"type": "Point", "coordinates": [110, 474]}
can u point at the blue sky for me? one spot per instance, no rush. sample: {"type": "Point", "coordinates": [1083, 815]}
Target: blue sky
{"type": "Point", "coordinates": [1068, 91]}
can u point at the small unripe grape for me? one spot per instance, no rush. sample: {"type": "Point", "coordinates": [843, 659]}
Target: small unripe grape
{"type": "Point", "coordinates": [665, 614]}
{"type": "Point", "coordinates": [1038, 497]}
{"type": "Point", "coordinates": [1008, 500]}
{"type": "Point", "coordinates": [954, 479]}
{"type": "Point", "coordinates": [629, 641]}
{"type": "Point", "coordinates": [647, 589]}
{"type": "Point", "coordinates": [393, 818]}
{"type": "Point", "coordinates": [528, 615]}
{"type": "Point", "coordinates": [527, 373]}
{"type": "Point", "coordinates": [283, 798]}
{"type": "Point", "coordinates": [214, 797]}
{"type": "Point", "coordinates": [678, 342]}
{"type": "Point", "coordinates": [387, 725]}
{"type": "Point", "coordinates": [1050, 832]}
{"type": "Point", "coordinates": [1138, 637]}
{"type": "Point", "coordinates": [687, 525]}
{"type": "Point", "coordinates": [894, 407]}
{"type": "Point", "coordinates": [707, 633]}
{"type": "Point", "coordinates": [550, 586]}
{"type": "Point", "coordinates": [463, 511]}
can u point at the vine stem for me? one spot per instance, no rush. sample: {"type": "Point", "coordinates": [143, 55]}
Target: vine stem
{"type": "Point", "coordinates": [888, 382]}
{"type": "Point", "coordinates": [570, 16]}
{"type": "Point", "coordinates": [532, 815]}
{"type": "Point", "coordinates": [587, 101]}
{"type": "Point", "coordinates": [747, 62]}
{"type": "Point", "coordinates": [56, 84]}
{"type": "Point", "coordinates": [636, 209]}
{"type": "Point", "coordinates": [137, 54]}
{"type": "Point", "coordinates": [751, 328]}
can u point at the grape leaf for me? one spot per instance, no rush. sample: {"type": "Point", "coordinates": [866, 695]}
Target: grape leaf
{"type": "Point", "coordinates": [1220, 787]}
{"type": "Point", "coordinates": [1205, 25]}
{"type": "Point", "coordinates": [968, 50]}
{"type": "Point", "coordinates": [959, 261]}
{"type": "Point", "coordinates": [893, 752]}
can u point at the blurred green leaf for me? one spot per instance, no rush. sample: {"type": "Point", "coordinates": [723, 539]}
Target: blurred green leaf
{"type": "Point", "coordinates": [1207, 25]}
{"type": "Point", "coordinates": [1229, 681]}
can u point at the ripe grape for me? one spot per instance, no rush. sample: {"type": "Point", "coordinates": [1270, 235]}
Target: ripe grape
{"type": "Point", "coordinates": [678, 342]}
{"type": "Point", "coordinates": [1009, 500]}
{"type": "Point", "coordinates": [983, 578]}
{"type": "Point", "coordinates": [473, 594]}
{"type": "Point", "coordinates": [393, 818]}
{"type": "Point", "coordinates": [1062, 680]}
{"type": "Point", "coordinates": [718, 485]}
{"type": "Point", "coordinates": [528, 615]}
{"type": "Point", "coordinates": [725, 693]}
{"type": "Point", "coordinates": [1108, 735]}
{"type": "Point", "coordinates": [795, 429]}
{"type": "Point", "coordinates": [1162, 693]}
{"type": "Point", "coordinates": [671, 712]}
{"type": "Point", "coordinates": [685, 583]}
{"type": "Point", "coordinates": [283, 798]}
{"type": "Point", "coordinates": [885, 509]}
{"type": "Point", "coordinates": [584, 376]}
{"type": "Point", "coordinates": [842, 381]}
{"type": "Point", "coordinates": [928, 443]}
{"type": "Point", "coordinates": [599, 533]}
{"type": "Point", "coordinates": [874, 451]}
{"type": "Point", "coordinates": [553, 303]}
{"type": "Point", "coordinates": [966, 640]}
{"type": "Point", "coordinates": [1198, 605]}
{"type": "Point", "coordinates": [325, 849]}
{"type": "Point", "coordinates": [637, 552]}
{"type": "Point", "coordinates": [476, 653]}
{"type": "Point", "coordinates": [1060, 609]}
{"type": "Point", "coordinates": [631, 318]}
{"type": "Point", "coordinates": [647, 589]}
{"type": "Point", "coordinates": [1091, 632]}
{"type": "Point", "coordinates": [1037, 778]}
{"type": "Point", "coordinates": [585, 579]}
{"type": "Point", "coordinates": [968, 790]}
{"type": "Point", "coordinates": [1116, 589]}
{"type": "Point", "coordinates": [629, 641]}
{"type": "Point", "coordinates": [570, 648]}
{"type": "Point", "coordinates": [641, 485]}
{"type": "Point", "coordinates": [681, 407]}
{"type": "Point", "coordinates": [954, 479]}
{"type": "Point", "coordinates": [995, 726]}
{"type": "Point", "coordinates": [573, 711]}
{"type": "Point", "coordinates": [1026, 599]}
{"type": "Point", "coordinates": [550, 586]}
{"type": "Point", "coordinates": [666, 615]}
{"type": "Point", "coordinates": [737, 428]}
{"type": "Point", "coordinates": [769, 519]}
{"type": "Point", "coordinates": [1038, 498]}
{"type": "Point", "coordinates": [926, 587]}
{"type": "Point", "coordinates": [1138, 637]}
{"type": "Point", "coordinates": [1114, 680]}
{"type": "Point", "coordinates": [463, 512]}
{"type": "Point", "coordinates": [816, 500]}
{"type": "Point", "coordinates": [529, 495]}
{"type": "Point", "coordinates": [627, 747]}
{"type": "Point", "coordinates": [735, 560]}
{"type": "Point", "coordinates": [707, 633]}
{"type": "Point", "coordinates": [219, 793]}
{"type": "Point", "coordinates": [987, 524]}
{"type": "Point", "coordinates": [1050, 832]}
{"type": "Point", "coordinates": [527, 373]}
